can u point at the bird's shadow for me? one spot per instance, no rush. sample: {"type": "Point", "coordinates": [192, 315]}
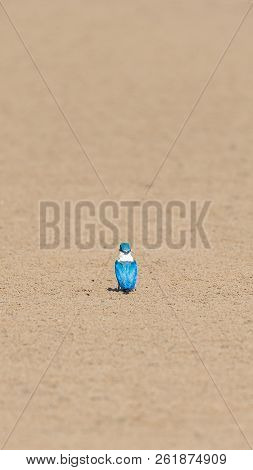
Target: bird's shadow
{"type": "Point", "coordinates": [115, 289]}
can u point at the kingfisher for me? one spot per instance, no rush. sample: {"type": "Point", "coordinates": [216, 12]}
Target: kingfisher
{"type": "Point", "coordinates": [126, 268]}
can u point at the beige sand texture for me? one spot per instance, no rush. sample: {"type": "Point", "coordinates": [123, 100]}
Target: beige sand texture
{"type": "Point", "coordinates": [169, 366]}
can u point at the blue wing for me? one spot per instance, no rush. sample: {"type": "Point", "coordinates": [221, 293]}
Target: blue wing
{"type": "Point", "coordinates": [126, 274]}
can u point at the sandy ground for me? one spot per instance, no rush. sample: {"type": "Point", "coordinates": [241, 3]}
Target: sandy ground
{"type": "Point", "coordinates": [169, 366]}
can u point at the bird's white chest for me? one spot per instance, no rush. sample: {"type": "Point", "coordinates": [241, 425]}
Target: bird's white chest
{"type": "Point", "coordinates": [125, 257]}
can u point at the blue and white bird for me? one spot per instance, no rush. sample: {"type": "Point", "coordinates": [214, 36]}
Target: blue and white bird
{"type": "Point", "coordinates": [126, 269]}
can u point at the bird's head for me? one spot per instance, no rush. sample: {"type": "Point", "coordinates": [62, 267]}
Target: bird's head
{"type": "Point", "coordinates": [125, 248]}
